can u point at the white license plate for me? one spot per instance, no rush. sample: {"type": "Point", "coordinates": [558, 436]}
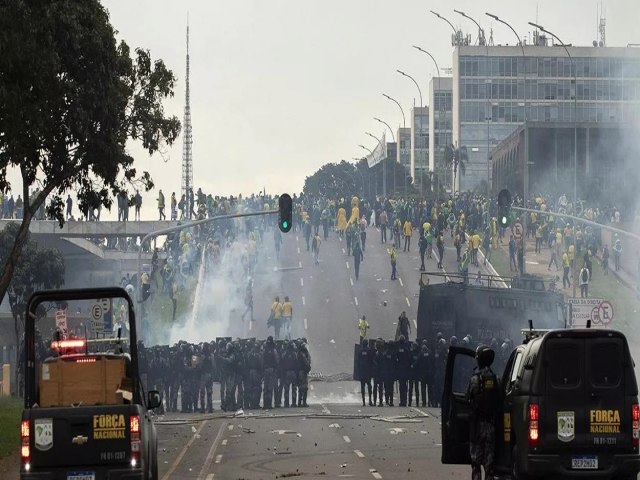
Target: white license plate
{"type": "Point", "coordinates": [81, 476]}
{"type": "Point", "coordinates": [584, 463]}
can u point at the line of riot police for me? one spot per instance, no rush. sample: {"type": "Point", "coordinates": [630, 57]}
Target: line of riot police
{"type": "Point", "coordinates": [247, 371]}
{"type": "Point", "coordinates": [417, 367]}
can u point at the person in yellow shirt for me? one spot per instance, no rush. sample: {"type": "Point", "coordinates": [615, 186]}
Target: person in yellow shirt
{"type": "Point", "coordinates": [393, 258]}
{"type": "Point", "coordinates": [287, 314]}
{"type": "Point", "coordinates": [539, 234]}
{"type": "Point", "coordinates": [341, 221]}
{"type": "Point", "coordinates": [572, 256]}
{"type": "Point", "coordinates": [475, 245]}
{"type": "Point", "coordinates": [407, 235]}
{"type": "Point", "coordinates": [363, 327]}
{"type": "Point", "coordinates": [275, 318]}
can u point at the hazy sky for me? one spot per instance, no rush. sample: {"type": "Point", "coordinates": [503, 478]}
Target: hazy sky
{"type": "Point", "coordinates": [280, 87]}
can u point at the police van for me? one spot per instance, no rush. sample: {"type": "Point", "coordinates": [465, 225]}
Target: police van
{"type": "Point", "coordinates": [568, 407]}
{"type": "Point", "coordinates": [86, 416]}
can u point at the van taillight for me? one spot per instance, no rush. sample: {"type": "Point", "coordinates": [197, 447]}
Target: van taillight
{"type": "Point", "coordinates": [635, 417]}
{"type": "Point", "coordinates": [25, 449]}
{"type": "Point", "coordinates": [134, 431]}
{"type": "Point", "coordinates": [534, 418]}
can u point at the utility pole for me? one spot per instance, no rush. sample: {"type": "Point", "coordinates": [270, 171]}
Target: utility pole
{"type": "Point", "coordinates": [187, 140]}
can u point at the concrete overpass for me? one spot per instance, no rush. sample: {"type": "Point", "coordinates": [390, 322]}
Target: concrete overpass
{"type": "Point", "coordinates": [87, 262]}
{"type": "Point", "coordinates": [75, 229]}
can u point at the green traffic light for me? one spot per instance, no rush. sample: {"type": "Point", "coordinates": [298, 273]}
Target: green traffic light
{"type": "Point", "coordinates": [504, 220]}
{"type": "Point", "coordinates": [285, 224]}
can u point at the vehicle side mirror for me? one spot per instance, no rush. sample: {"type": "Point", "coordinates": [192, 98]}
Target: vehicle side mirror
{"type": "Point", "coordinates": [154, 399]}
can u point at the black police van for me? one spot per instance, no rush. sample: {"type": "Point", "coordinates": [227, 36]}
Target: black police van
{"type": "Point", "coordinates": [86, 415]}
{"type": "Point", "coordinates": [569, 407]}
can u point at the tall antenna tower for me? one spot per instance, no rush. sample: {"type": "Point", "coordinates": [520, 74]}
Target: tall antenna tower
{"type": "Point", "coordinates": [187, 139]}
{"type": "Point", "coordinates": [602, 27]}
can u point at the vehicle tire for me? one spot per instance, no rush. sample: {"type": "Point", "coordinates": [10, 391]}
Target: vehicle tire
{"type": "Point", "coordinates": [516, 474]}
{"type": "Point", "coordinates": [154, 463]}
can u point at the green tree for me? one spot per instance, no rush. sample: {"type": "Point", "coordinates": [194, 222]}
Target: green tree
{"type": "Point", "coordinates": [456, 158]}
{"type": "Point", "coordinates": [334, 179]}
{"type": "Point", "coordinates": [71, 98]}
{"type": "Point", "coordinates": [36, 269]}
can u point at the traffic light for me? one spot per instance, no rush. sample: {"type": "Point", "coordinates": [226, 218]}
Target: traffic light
{"type": "Point", "coordinates": [504, 208]}
{"type": "Point", "coordinates": [285, 205]}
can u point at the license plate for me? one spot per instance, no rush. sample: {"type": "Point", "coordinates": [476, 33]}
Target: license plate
{"type": "Point", "coordinates": [81, 476]}
{"type": "Point", "coordinates": [584, 463]}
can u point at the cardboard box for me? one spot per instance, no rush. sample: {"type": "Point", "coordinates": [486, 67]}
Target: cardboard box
{"type": "Point", "coordinates": [71, 382]}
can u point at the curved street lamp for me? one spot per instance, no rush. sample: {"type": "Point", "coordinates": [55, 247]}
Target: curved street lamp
{"type": "Point", "coordinates": [414, 81]}
{"type": "Point", "coordinates": [404, 121]}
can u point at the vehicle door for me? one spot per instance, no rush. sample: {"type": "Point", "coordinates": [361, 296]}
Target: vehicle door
{"type": "Point", "coordinates": [456, 411]}
{"type": "Point", "coordinates": [509, 383]}
{"type": "Point", "coordinates": [608, 410]}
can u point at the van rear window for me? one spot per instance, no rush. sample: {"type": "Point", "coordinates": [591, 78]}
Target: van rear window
{"type": "Point", "coordinates": [564, 361]}
{"type": "Point", "coordinates": [605, 365]}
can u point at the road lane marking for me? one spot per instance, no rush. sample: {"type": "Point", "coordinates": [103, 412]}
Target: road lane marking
{"type": "Point", "coordinates": [210, 476]}
{"type": "Point", "coordinates": [305, 324]}
{"type": "Point", "coordinates": [351, 280]}
{"type": "Point", "coordinates": [207, 463]}
{"type": "Point", "coordinates": [218, 458]}
{"type": "Point", "coordinates": [344, 251]}
{"type": "Point", "coordinates": [401, 284]}
{"type": "Point", "coordinates": [346, 439]}
{"type": "Point", "coordinates": [250, 326]}
{"type": "Point", "coordinates": [298, 250]}
{"type": "Point", "coordinates": [376, 475]}
{"type": "Point", "coordinates": [415, 323]}
{"type": "Point", "coordinates": [299, 264]}
{"type": "Point", "coordinates": [177, 461]}
{"type": "Point", "coordinates": [347, 264]}
{"type": "Point", "coordinates": [355, 299]}
{"type": "Point", "coordinates": [359, 453]}
{"type": "Point", "coordinates": [407, 299]}
{"type": "Point", "coordinates": [303, 301]}
{"type": "Point", "coordinates": [297, 238]}
{"type": "Point", "coordinates": [224, 442]}
{"type": "Point", "coordinates": [301, 282]}
{"type": "Point", "coordinates": [311, 386]}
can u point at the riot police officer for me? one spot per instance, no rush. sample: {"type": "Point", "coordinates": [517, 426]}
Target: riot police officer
{"type": "Point", "coordinates": [483, 395]}
{"type": "Point", "coordinates": [388, 372]}
{"type": "Point", "coordinates": [304, 367]}
{"type": "Point", "coordinates": [290, 367]}
{"type": "Point", "coordinates": [270, 362]}
{"type": "Point", "coordinates": [378, 379]}
{"type": "Point", "coordinates": [424, 367]}
{"type": "Point", "coordinates": [403, 363]}
{"type": "Point", "coordinates": [365, 365]}
{"type": "Point", "coordinates": [414, 382]}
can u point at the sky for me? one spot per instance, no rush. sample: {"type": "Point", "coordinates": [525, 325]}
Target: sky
{"type": "Point", "coordinates": [281, 87]}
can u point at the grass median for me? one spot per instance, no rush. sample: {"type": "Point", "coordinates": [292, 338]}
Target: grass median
{"type": "Point", "coordinates": [10, 414]}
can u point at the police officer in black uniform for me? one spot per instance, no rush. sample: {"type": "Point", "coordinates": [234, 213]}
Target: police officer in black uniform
{"type": "Point", "coordinates": [304, 367]}
{"type": "Point", "coordinates": [290, 366]}
{"type": "Point", "coordinates": [270, 362]}
{"type": "Point", "coordinates": [365, 367]}
{"type": "Point", "coordinates": [424, 367]}
{"type": "Point", "coordinates": [483, 395]}
{"type": "Point", "coordinates": [254, 377]}
{"type": "Point", "coordinates": [403, 364]}
{"type": "Point", "coordinates": [378, 379]}
{"type": "Point", "coordinates": [388, 371]}
{"type": "Point", "coordinates": [414, 382]}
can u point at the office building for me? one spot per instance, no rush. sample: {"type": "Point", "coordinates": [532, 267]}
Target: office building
{"type": "Point", "coordinates": [420, 146]}
{"type": "Point", "coordinates": [495, 90]}
{"type": "Point", "coordinates": [440, 120]}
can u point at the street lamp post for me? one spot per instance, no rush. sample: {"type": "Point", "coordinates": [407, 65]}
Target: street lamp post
{"type": "Point", "coordinates": [384, 177]}
{"type": "Point", "coordinates": [404, 125]}
{"type": "Point", "coordinates": [386, 160]}
{"type": "Point", "coordinates": [455, 32]}
{"type": "Point", "coordinates": [575, 130]}
{"type": "Point", "coordinates": [361, 174]}
{"type": "Point", "coordinates": [414, 81]}
{"type": "Point", "coordinates": [371, 152]}
{"type": "Point", "coordinates": [439, 115]}
{"type": "Point", "coordinates": [525, 170]}
{"type": "Point", "coordinates": [413, 143]}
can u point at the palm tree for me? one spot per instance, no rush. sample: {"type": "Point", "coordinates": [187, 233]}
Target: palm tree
{"type": "Point", "coordinates": [456, 158]}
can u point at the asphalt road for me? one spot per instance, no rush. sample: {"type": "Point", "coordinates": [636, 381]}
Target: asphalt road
{"type": "Point", "coordinates": [336, 436]}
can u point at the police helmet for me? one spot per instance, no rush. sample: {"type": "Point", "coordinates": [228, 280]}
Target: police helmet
{"type": "Point", "coordinates": [453, 341]}
{"type": "Point", "coordinates": [484, 356]}
{"type": "Point", "coordinates": [439, 335]}
{"type": "Point", "coordinates": [270, 339]}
